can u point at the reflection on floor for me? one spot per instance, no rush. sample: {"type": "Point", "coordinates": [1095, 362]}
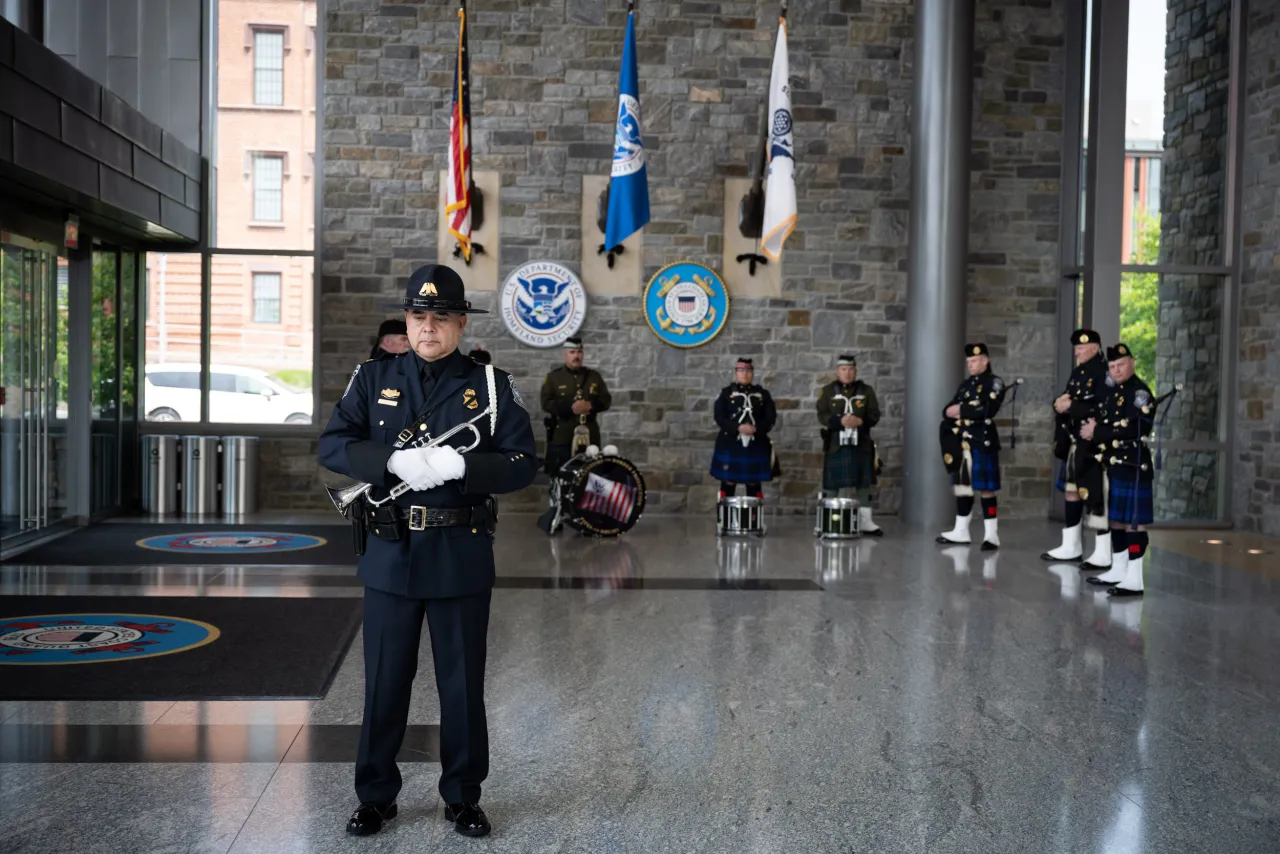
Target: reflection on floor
{"type": "Point", "coordinates": [669, 691]}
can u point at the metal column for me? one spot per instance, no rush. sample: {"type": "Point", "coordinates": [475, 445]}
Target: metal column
{"type": "Point", "coordinates": [940, 132]}
{"type": "Point", "coordinates": [1104, 196]}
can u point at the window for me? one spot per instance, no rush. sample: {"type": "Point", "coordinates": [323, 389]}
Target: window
{"type": "Point", "coordinates": [268, 187]}
{"type": "Point", "coordinates": [266, 297]}
{"type": "Point", "coordinates": [257, 351]}
{"type": "Point", "coordinates": [222, 382]}
{"type": "Point", "coordinates": [253, 385]}
{"type": "Point", "coordinates": [268, 68]}
{"type": "Point", "coordinates": [175, 379]}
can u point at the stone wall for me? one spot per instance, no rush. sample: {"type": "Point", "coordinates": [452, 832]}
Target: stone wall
{"type": "Point", "coordinates": [1014, 205]}
{"type": "Point", "coordinates": [1193, 194]}
{"type": "Point", "coordinates": [545, 79]}
{"type": "Point", "coordinates": [1257, 460]}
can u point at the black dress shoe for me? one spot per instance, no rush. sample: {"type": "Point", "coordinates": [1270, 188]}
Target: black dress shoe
{"type": "Point", "coordinates": [368, 818]}
{"type": "Point", "coordinates": [1123, 591]}
{"type": "Point", "coordinates": [1097, 579]}
{"type": "Point", "coordinates": [1052, 559]}
{"type": "Point", "coordinates": [989, 547]}
{"type": "Point", "coordinates": [878, 532]}
{"type": "Point", "coordinates": [468, 819]}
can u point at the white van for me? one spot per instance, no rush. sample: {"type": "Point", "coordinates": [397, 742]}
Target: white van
{"type": "Point", "coordinates": [236, 395]}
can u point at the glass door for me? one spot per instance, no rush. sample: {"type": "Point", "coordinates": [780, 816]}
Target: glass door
{"type": "Point", "coordinates": [104, 387]}
{"type": "Point", "coordinates": [33, 382]}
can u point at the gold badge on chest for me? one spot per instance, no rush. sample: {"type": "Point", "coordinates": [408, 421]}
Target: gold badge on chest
{"type": "Point", "coordinates": [469, 399]}
{"type": "Point", "coordinates": [390, 397]}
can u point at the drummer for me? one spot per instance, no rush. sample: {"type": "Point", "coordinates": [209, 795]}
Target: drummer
{"type": "Point", "coordinates": [847, 410]}
{"type": "Point", "coordinates": [745, 414]}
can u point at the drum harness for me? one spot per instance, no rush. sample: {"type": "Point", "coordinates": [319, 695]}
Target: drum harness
{"type": "Point", "coordinates": [848, 435]}
{"type": "Point", "coordinates": [748, 414]}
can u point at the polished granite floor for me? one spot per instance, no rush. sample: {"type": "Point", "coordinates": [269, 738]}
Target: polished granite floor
{"type": "Point", "coordinates": [666, 692]}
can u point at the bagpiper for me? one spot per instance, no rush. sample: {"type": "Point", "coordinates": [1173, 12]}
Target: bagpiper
{"type": "Point", "coordinates": [1080, 475]}
{"type": "Point", "coordinates": [1120, 435]}
{"type": "Point", "coordinates": [971, 447]}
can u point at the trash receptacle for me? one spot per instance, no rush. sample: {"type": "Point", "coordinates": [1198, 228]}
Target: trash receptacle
{"type": "Point", "coordinates": [239, 475]}
{"type": "Point", "coordinates": [199, 475]}
{"type": "Point", "coordinates": [160, 475]}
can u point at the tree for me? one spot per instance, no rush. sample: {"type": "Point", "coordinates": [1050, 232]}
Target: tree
{"type": "Point", "coordinates": [1140, 298]}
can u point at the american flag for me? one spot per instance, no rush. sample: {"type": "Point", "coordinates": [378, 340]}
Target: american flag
{"type": "Point", "coordinates": [609, 497]}
{"type": "Point", "coordinates": [458, 202]}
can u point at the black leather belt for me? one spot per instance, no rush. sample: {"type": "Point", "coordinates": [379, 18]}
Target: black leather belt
{"type": "Point", "coordinates": [420, 518]}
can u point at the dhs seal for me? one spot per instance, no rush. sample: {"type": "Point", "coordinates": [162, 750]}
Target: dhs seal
{"type": "Point", "coordinates": [628, 149]}
{"type": "Point", "coordinates": [226, 542]}
{"type": "Point", "coordinates": [88, 638]}
{"type": "Point", "coordinates": [686, 304]}
{"type": "Point", "coordinates": [543, 303]}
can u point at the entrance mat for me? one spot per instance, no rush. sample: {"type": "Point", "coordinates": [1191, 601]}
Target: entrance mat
{"type": "Point", "coordinates": [172, 648]}
{"type": "Point", "coordinates": [123, 544]}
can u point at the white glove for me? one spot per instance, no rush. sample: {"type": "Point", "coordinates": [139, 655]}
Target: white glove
{"type": "Point", "coordinates": [446, 462]}
{"type": "Point", "coordinates": [411, 466]}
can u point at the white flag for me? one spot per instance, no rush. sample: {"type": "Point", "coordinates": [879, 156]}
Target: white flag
{"type": "Point", "coordinates": [780, 184]}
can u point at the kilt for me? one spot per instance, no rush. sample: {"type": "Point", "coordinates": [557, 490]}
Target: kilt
{"type": "Point", "coordinates": [849, 467]}
{"type": "Point", "coordinates": [985, 473]}
{"type": "Point", "coordinates": [736, 464]}
{"type": "Point", "coordinates": [1129, 499]}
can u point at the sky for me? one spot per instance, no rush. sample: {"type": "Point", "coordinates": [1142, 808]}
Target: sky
{"type": "Point", "coordinates": [1144, 112]}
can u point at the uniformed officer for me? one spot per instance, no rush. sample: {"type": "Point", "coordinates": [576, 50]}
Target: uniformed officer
{"type": "Point", "coordinates": [847, 410]}
{"type": "Point", "coordinates": [431, 552]}
{"type": "Point", "coordinates": [1120, 436]}
{"type": "Point", "coordinates": [392, 340]}
{"type": "Point", "coordinates": [974, 462]}
{"type": "Point", "coordinates": [573, 396]}
{"type": "Point", "coordinates": [745, 414]}
{"type": "Point", "coordinates": [1080, 475]}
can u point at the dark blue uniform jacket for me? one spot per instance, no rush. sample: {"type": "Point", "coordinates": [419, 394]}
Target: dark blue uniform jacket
{"type": "Point", "coordinates": [383, 398]}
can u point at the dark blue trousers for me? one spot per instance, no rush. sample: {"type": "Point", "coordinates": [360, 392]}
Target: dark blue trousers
{"type": "Point", "coordinates": [392, 630]}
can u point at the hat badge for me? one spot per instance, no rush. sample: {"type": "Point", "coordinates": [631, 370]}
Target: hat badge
{"type": "Point", "coordinates": [428, 289]}
{"type": "Point", "coordinates": [977, 351]}
{"type": "Point", "coordinates": [1084, 339]}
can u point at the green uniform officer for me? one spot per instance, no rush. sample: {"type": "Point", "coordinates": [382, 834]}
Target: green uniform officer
{"type": "Point", "coordinates": [572, 396]}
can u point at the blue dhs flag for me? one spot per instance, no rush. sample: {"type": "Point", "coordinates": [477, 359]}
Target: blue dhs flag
{"type": "Point", "coordinates": [629, 184]}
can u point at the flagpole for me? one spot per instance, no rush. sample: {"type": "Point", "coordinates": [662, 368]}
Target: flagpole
{"type": "Point", "coordinates": [782, 21]}
{"type": "Point", "coordinates": [782, 18]}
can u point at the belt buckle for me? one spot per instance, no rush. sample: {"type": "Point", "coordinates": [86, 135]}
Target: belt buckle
{"type": "Point", "coordinates": [417, 518]}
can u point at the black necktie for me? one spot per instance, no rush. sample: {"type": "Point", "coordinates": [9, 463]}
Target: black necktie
{"type": "Point", "coordinates": [428, 379]}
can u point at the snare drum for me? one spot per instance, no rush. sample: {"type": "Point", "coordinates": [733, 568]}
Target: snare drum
{"type": "Point", "coordinates": [837, 519]}
{"type": "Point", "coordinates": [739, 516]}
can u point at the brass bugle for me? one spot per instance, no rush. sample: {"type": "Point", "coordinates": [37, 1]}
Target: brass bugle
{"type": "Point", "coordinates": [344, 496]}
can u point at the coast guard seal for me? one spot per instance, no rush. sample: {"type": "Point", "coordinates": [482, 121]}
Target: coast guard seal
{"type": "Point", "coordinates": [686, 304]}
{"type": "Point", "coordinates": [88, 638]}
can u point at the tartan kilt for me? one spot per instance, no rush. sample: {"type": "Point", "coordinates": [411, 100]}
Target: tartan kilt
{"type": "Point", "coordinates": [849, 467]}
{"type": "Point", "coordinates": [736, 464]}
{"type": "Point", "coordinates": [1129, 499]}
{"type": "Point", "coordinates": [1083, 470]}
{"type": "Point", "coordinates": [985, 473]}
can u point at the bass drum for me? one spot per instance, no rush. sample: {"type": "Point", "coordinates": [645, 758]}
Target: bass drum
{"type": "Point", "coordinates": [602, 496]}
